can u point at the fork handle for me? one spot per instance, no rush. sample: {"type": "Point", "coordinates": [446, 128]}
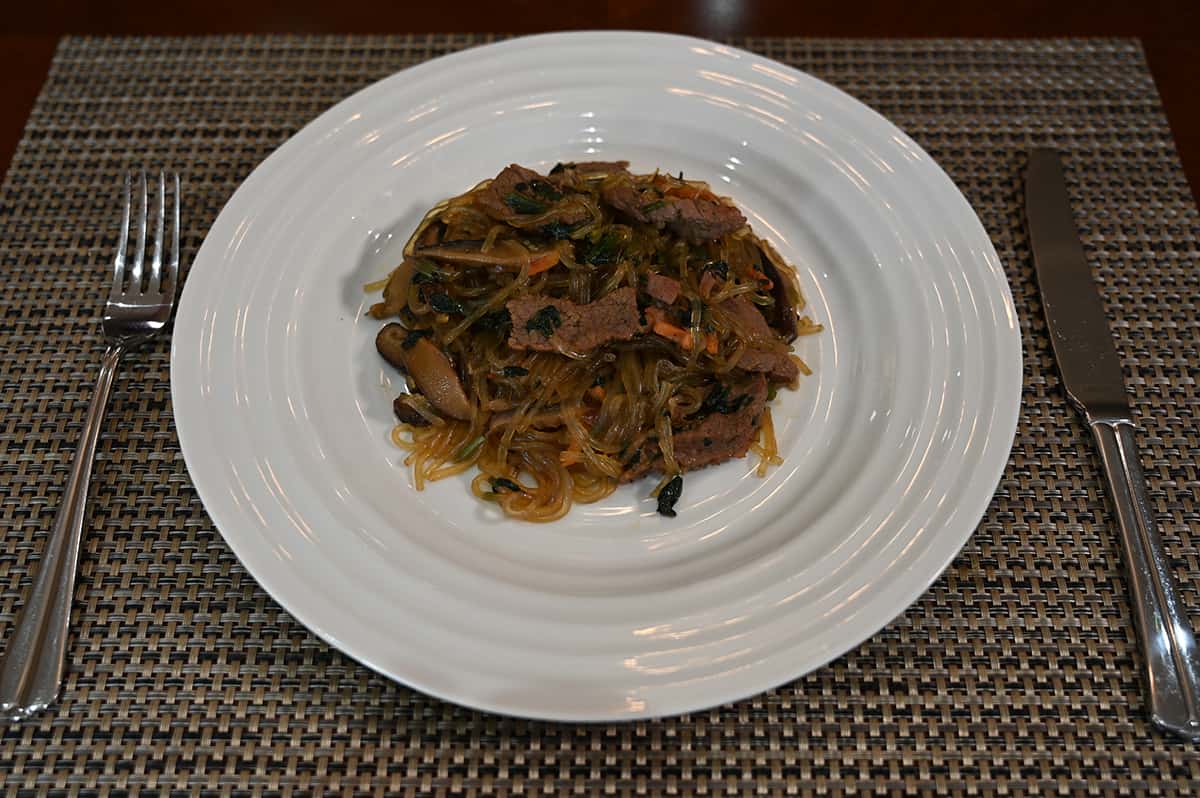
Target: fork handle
{"type": "Point", "coordinates": [1167, 642]}
{"type": "Point", "coordinates": [34, 660]}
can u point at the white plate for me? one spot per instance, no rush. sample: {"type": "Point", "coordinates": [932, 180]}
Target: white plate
{"type": "Point", "coordinates": [893, 447]}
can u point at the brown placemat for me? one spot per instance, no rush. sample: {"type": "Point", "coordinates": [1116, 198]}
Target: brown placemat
{"type": "Point", "coordinates": [1015, 674]}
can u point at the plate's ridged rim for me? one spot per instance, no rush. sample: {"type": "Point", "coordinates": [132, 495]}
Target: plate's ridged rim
{"type": "Point", "coordinates": [989, 469]}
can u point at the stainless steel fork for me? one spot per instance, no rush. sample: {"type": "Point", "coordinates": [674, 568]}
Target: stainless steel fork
{"type": "Point", "coordinates": [138, 307]}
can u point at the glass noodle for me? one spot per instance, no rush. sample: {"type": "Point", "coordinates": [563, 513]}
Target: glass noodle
{"type": "Point", "coordinates": [546, 422]}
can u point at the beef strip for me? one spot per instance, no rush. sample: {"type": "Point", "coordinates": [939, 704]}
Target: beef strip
{"type": "Point", "coordinates": [695, 219]}
{"type": "Point", "coordinates": [638, 204]}
{"type": "Point", "coordinates": [728, 436]}
{"type": "Point", "coordinates": [715, 438]}
{"type": "Point", "coordinates": [662, 288]}
{"type": "Point", "coordinates": [699, 220]}
{"type": "Point", "coordinates": [758, 357]}
{"type": "Point", "coordinates": [777, 365]}
{"type": "Point", "coordinates": [748, 317]}
{"type": "Point", "coordinates": [515, 179]}
{"type": "Point", "coordinates": [492, 199]}
{"type": "Point", "coordinates": [577, 328]}
{"type": "Point", "coordinates": [645, 464]}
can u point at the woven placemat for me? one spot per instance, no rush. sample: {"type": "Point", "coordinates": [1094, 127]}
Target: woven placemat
{"type": "Point", "coordinates": [1016, 673]}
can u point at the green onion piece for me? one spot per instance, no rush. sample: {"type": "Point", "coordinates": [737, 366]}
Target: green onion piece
{"type": "Point", "coordinates": [468, 450]}
{"type": "Point", "coordinates": [428, 268]}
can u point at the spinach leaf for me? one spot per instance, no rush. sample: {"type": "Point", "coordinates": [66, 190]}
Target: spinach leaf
{"type": "Point", "coordinates": [603, 251]}
{"type": "Point", "coordinates": [545, 321]}
{"type": "Point", "coordinates": [444, 303]}
{"type": "Point", "coordinates": [719, 268]}
{"type": "Point", "coordinates": [544, 190]}
{"type": "Point", "coordinates": [556, 230]}
{"type": "Point", "coordinates": [669, 495]}
{"type": "Point", "coordinates": [719, 401]}
{"type": "Point", "coordinates": [500, 484]}
{"type": "Point", "coordinates": [498, 321]}
{"type": "Point", "coordinates": [522, 204]}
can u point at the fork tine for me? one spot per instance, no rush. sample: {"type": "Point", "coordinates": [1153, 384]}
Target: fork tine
{"type": "Point", "coordinates": [172, 274]}
{"type": "Point", "coordinates": [119, 260]}
{"type": "Point", "coordinates": [139, 257]}
{"type": "Point", "coordinates": [155, 282]}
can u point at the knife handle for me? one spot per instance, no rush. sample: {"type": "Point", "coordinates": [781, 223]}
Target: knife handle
{"type": "Point", "coordinates": [1168, 645]}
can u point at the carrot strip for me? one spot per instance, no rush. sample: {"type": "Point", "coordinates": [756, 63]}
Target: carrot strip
{"type": "Point", "coordinates": [673, 333]}
{"type": "Point", "coordinates": [660, 325]}
{"type": "Point", "coordinates": [543, 262]}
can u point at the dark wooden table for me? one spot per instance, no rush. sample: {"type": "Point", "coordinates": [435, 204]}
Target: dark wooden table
{"type": "Point", "coordinates": [1169, 30]}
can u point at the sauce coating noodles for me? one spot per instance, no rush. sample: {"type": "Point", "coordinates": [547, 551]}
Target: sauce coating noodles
{"type": "Point", "coordinates": [561, 334]}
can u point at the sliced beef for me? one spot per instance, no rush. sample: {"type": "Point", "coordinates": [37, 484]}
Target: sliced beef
{"type": "Point", "coordinates": [644, 464]}
{"type": "Point", "coordinates": [699, 220]}
{"type": "Point", "coordinates": [548, 325]}
{"type": "Point", "coordinates": [747, 316]}
{"type": "Point", "coordinates": [662, 288]}
{"type": "Point", "coordinates": [760, 356]}
{"type": "Point", "coordinates": [493, 198]}
{"type": "Point", "coordinates": [720, 436]}
{"type": "Point", "coordinates": [694, 219]}
{"type": "Point", "coordinates": [716, 438]}
{"type": "Point", "coordinates": [777, 365]}
{"type": "Point", "coordinates": [535, 194]}
{"type": "Point", "coordinates": [640, 204]}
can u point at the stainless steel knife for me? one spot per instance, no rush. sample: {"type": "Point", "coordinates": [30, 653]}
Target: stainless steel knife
{"type": "Point", "coordinates": [1091, 374]}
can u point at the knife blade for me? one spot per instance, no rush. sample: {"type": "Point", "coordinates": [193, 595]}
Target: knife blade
{"type": "Point", "coordinates": [1079, 334]}
{"type": "Point", "coordinates": [1093, 381]}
